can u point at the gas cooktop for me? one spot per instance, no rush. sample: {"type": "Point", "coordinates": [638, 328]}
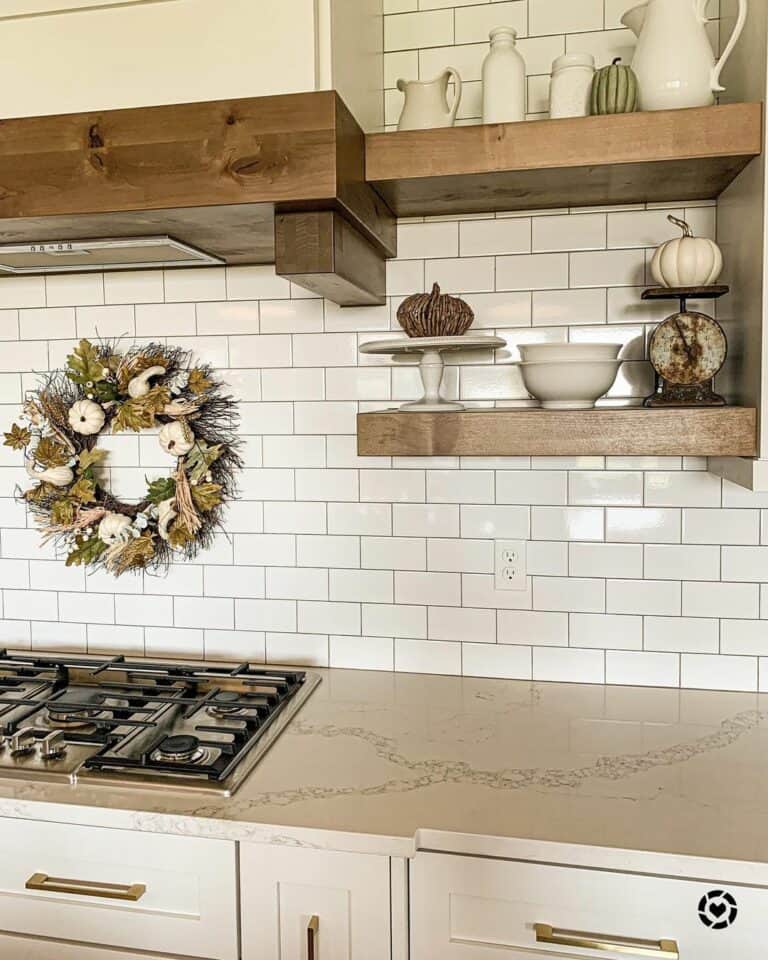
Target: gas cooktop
{"type": "Point", "coordinates": [143, 724]}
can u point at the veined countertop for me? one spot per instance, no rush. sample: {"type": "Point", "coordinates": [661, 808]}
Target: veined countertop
{"type": "Point", "coordinates": [393, 762]}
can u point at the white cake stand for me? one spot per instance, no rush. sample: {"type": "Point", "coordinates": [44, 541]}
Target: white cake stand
{"type": "Point", "coordinates": [431, 364]}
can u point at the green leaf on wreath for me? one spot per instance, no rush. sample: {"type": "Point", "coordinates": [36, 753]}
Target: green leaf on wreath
{"type": "Point", "coordinates": [83, 490]}
{"type": "Point", "coordinates": [85, 365]}
{"type": "Point", "coordinates": [90, 458]}
{"type": "Point", "coordinates": [105, 392]}
{"type": "Point", "coordinates": [139, 414]}
{"type": "Point", "coordinates": [63, 513]}
{"type": "Point", "coordinates": [51, 453]}
{"type": "Point", "coordinates": [162, 489]}
{"type": "Point", "coordinates": [17, 437]}
{"type": "Point", "coordinates": [199, 459]}
{"type": "Point", "coordinates": [86, 551]}
{"type": "Point", "coordinates": [206, 496]}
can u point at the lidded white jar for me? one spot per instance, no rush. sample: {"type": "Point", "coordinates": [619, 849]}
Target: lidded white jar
{"type": "Point", "coordinates": [503, 79]}
{"type": "Point", "coordinates": [571, 86]}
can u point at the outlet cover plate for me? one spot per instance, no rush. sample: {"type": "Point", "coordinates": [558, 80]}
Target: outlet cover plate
{"type": "Point", "coordinates": [510, 565]}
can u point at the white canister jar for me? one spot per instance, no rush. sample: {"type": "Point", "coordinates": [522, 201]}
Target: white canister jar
{"type": "Point", "coordinates": [571, 86]}
{"type": "Point", "coordinates": [503, 79]}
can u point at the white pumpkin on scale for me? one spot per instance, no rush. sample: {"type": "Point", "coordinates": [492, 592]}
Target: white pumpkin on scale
{"type": "Point", "coordinates": [688, 261]}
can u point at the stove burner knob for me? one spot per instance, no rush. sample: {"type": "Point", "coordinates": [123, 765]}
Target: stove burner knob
{"type": "Point", "coordinates": [22, 743]}
{"type": "Point", "coordinates": [53, 746]}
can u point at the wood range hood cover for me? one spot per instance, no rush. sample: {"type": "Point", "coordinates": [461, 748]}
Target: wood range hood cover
{"type": "Point", "coordinates": [277, 179]}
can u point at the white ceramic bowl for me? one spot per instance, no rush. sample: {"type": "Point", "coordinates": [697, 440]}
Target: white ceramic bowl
{"type": "Point", "coordinates": [569, 384]}
{"type": "Point", "coordinates": [536, 352]}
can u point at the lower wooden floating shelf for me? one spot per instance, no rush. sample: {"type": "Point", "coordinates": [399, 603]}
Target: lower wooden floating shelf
{"type": "Point", "coordinates": [609, 431]}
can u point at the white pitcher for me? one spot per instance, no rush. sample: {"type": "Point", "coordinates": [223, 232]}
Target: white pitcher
{"type": "Point", "coordinates": [426, 102]}
{"type": "Point", "coordinates": [674, 62]}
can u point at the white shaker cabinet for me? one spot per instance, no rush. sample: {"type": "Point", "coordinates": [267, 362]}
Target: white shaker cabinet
{"type": "Point", "coordinates": [469, 908]}
{"type": "Point", "coordinates": [67, 56]}
{"type": "Point", "coordinates": [301, 904]}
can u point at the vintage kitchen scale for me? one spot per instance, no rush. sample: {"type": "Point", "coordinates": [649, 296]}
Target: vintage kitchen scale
{"type": "Point", "coordinates": [687, 350]}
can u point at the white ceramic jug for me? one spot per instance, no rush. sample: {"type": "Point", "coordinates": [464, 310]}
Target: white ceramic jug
{"type": "Point", "coordinates": [674, 62]}
{"type": "Point", "coordinates": [426, 102]}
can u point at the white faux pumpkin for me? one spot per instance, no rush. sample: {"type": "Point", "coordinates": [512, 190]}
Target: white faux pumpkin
{"type": "Point", "coordinates": [688, 261]}
{"type": "Point", "coordinates": [56, 476]}
{"type": "Point", "coordinates": [86, 417]}
{"type": "Point", "coordinates": [114, 528]}
{"type": "Point", "coordinates": [176, 438]}
{"type": "Point", "coordinates": [139, 386]}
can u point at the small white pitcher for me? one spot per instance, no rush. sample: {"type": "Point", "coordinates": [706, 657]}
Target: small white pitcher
{"type": "Point", "coordinates": [426, 102]}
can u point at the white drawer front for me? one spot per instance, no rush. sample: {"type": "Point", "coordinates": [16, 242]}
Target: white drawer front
{"type": "Point", "coordinates": [188, 905]}
{"type": "Point", "coordinates": [463, 908]}
{"type": "Point", "coordinates": [30, 948]}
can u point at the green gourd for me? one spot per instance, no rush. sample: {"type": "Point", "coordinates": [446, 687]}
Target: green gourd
{"type": "Point", "coordinates": [614, 90]}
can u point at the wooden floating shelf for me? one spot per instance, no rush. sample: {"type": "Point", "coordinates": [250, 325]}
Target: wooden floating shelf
{"type": "Point", "coordinates": [673, 155]}
{"type": "Point", "coordinates": [608, 431]}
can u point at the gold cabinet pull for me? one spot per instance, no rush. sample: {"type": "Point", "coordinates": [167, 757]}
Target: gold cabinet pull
{"type": "Point", "coordinates": [312, 928]}
{"type": "Point", "coordinates": [661, 949]}
{"type": "Point", "coordinates": [86, 888]}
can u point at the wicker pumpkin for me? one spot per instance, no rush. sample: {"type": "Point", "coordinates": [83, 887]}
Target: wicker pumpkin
{"type": "Point", "coordinates": [614, 90]}
{"type": "Point", "coordinates": [434, 314]}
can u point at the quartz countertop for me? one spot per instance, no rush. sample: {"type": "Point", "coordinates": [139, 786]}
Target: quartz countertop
{"type": "Point", "coordinates": [375, 760]}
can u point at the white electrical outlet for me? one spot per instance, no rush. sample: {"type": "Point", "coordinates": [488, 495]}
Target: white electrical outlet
{"type": "Point", "coordinates": [511, 572]}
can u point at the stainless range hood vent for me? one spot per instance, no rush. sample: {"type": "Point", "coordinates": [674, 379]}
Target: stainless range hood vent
{"type": "Point", "coordinates": [78, 256]}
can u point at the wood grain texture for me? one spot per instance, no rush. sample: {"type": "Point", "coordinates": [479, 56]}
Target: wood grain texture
{"type": "Point", "coordinates": [726, 431]}
{"type": "Point", "coordinates": [326, 254]}
{"type": "Point", "coordinates": [190, 170]}
{"type": "Point", "coordinates": [638, 157]}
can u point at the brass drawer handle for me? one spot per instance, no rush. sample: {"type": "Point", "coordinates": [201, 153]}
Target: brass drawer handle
{"type": "Point", "coordinates": [661, 949]}
{"type": "Point", "coordinates": [87, 888]}
{"type": "Point", "coordinates": [312, 928]}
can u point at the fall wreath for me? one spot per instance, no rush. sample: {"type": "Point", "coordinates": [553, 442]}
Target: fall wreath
{"type": "Point", "coordinates": [102, 391]}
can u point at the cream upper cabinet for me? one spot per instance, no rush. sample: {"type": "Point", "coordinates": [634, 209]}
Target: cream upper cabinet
{"type": "Point", "coordinates": [65, 56]}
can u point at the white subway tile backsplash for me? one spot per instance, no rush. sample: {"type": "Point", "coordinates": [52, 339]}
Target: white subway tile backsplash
{"type": "Point", "coordinates": [642, 525]}
{"type": "Point", "coordinates": [672, 562]}
{"type": "Point", "coordinates": [567, 523]}
{"type": "Point", "coordinates": [463, 625]}
{"type": "Point", "coordinates": [492, 660]}
{"type": "Point", "coordinates": [745, 564]}
{"type": "Point", "coordinates": [462, 556]}
{"type": "Point", "coordinates": [607, 268]}
{"type": "Point", "coordinates": [555, 307]}
{"type": "Point", "coordinates": [482, 238]}
{"type": "Point", "coordinates": [710, 672]}
{"type": "Point", "coordinates": [534, 627]}
{"type": "Point", "coordinates": [538, 271]}
{"type": "Point", "coordinates": [605, 488]}
{"type": "Point", "coordinates": [569, 594]}
{"type": "Point", "coordinates": [568, 665]}
{"type": "Point", "coordinates": [721, 526]}
{"type": "Point", "coordinates": [622, 560]}
{"type": "Point", "coordinates": [584, 231]}
{"type": "Point", "coordinates": [532, 487]}
{"type": "Point", "coordinates": [606, 631]}
{"type": "Point", "coordinates": [366, 586]}
{"type": "Point", "coordinates": [681, 634]}
{"type": "Point", "coordinates": [682, 489]}
{"type": "Point", "coordinates": [465, 275]}
{"type": "Point", "coordinates": [737, 600]}
{"type": "Point", "coordinates": [642, 669]}
{"type": "Point", "coordinates": [362, 653]}
{"type": "Point", "coordinates": [304, 649]}
{"type": "Point", "coordinates": [652, 597]}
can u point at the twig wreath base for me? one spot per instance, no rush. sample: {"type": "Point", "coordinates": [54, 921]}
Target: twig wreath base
{"type": "Point", "coordinates": [105, 391]}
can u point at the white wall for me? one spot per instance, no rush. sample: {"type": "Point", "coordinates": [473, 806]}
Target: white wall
{"type": "Point", "coordinates": [642, 570]}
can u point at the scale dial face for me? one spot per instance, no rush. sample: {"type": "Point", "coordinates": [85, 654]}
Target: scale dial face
{"type": "Point", "coordinates": [688, 348]}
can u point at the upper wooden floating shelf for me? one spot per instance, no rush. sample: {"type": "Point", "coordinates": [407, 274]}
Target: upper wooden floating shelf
{"type": "Point", "coordinates": [667, 155]}
{"type": "Point", "coordinates": [608, 431]}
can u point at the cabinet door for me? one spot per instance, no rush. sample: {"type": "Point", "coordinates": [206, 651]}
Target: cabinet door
{"type": "Point", "coordinates": [467, 908]}
{"type": "Point", "coordinates": [313, 904]}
